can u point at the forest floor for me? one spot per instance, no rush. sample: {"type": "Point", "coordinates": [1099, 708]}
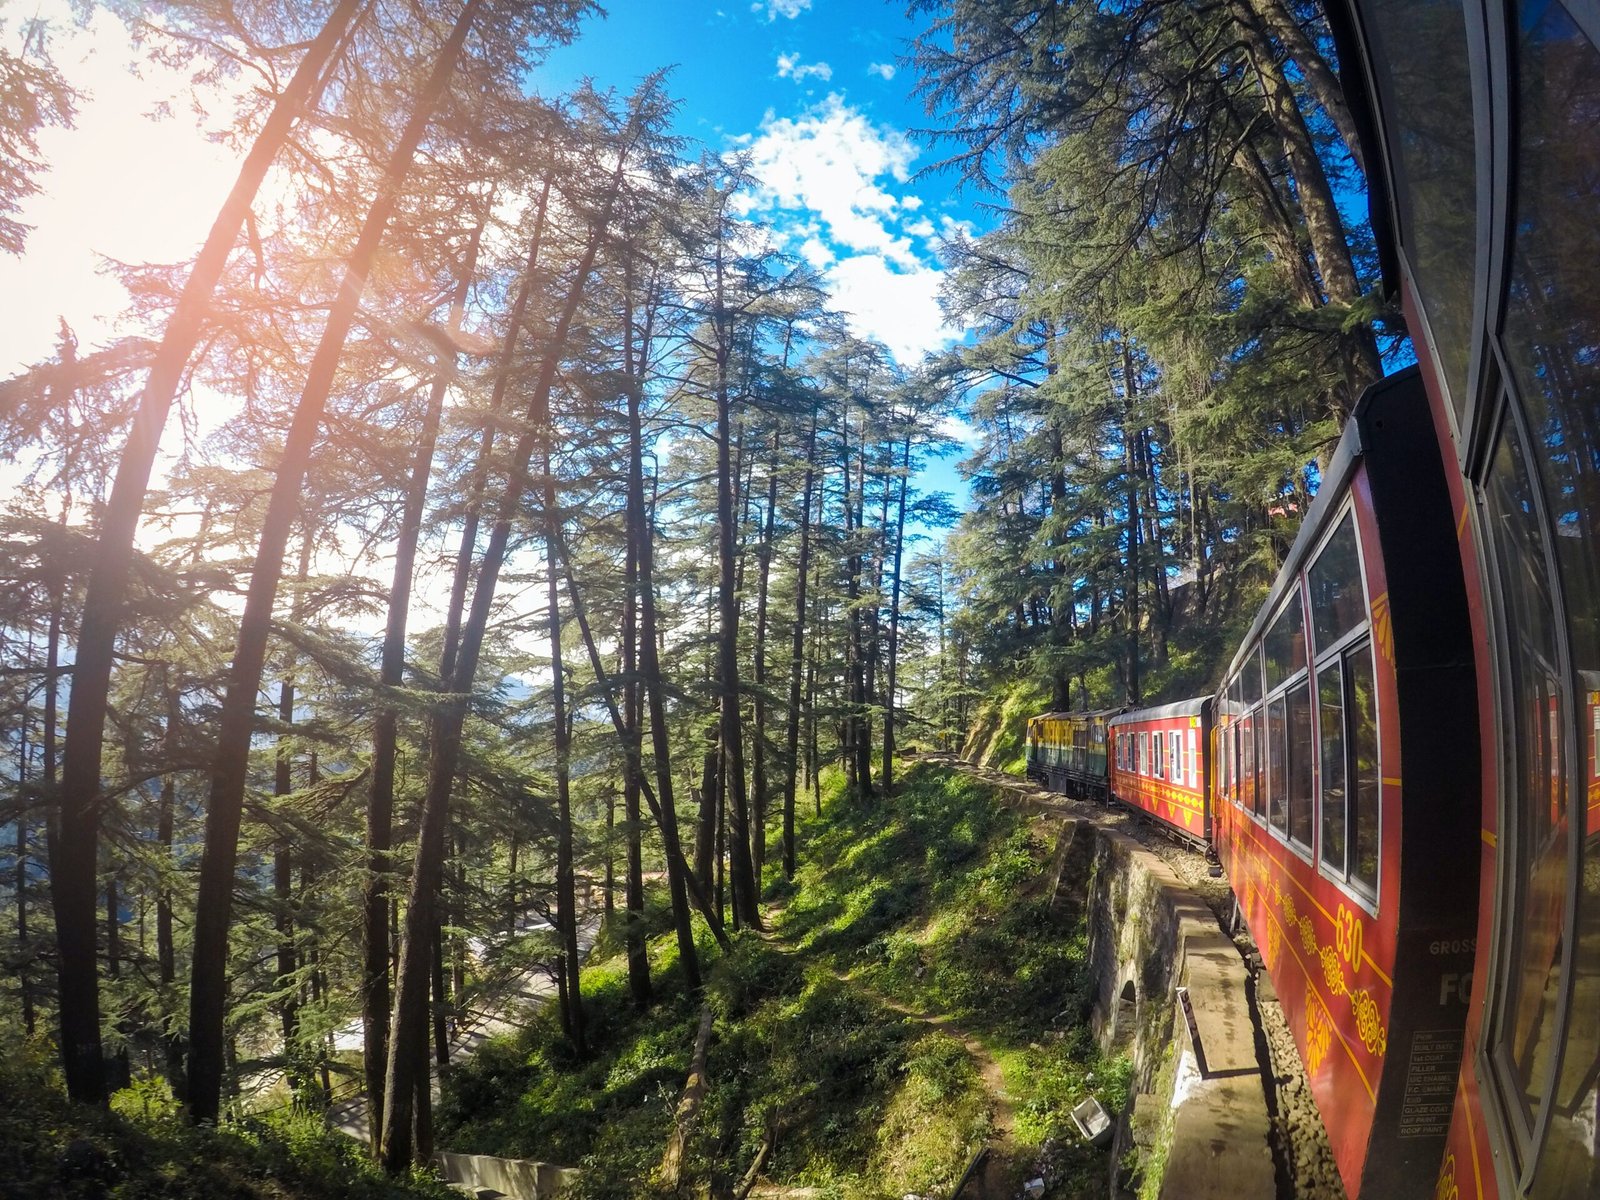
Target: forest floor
{"type": "Point", "coordinates": [917, 999]}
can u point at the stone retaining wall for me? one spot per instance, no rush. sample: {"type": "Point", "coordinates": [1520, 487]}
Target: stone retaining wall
{"type": "Point", "coordinates": [1173, 992]}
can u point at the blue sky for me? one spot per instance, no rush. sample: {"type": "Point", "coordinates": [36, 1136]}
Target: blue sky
{"type": "Point", "coordinates": [815, 91]}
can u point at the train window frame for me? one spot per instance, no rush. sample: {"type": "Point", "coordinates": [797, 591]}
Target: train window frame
{"type": "Point", "coordinates": [1524, 1133]}
{"type": "Point", "coordinates": [1278, 694]}
{"type": "Point", "coordinates": [1191, 738]}
{"type": "Point", "coordinates": [1255, 719]}
{"type": "Point", "coordinates": [1177, 768]}
{"type": "Point", "coordinates": [1340, 649]}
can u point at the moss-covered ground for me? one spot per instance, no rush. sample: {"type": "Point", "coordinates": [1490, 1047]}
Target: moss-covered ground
{"type": "Point", "coordinates": [929, 903]}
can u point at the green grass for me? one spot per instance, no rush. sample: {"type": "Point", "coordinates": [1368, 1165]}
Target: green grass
{"type": "Point", "coordinates": [929, 900]}
{"type": "Point", "coordinates": [143, 1150]}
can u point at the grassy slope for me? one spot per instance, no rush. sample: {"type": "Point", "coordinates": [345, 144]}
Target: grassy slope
{"type": "Point", "coordinates": [999, 733]}
{"type": "Point", "coordinates": [142, 1149]}
{"type": "Point", "coordinates": [927, 901]}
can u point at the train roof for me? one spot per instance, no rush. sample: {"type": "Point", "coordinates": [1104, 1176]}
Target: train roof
{"type": "Point", "coordinates": [1330, 494]}
{"type": "Point", "coordinates": [1076, 715]}
{"type": "Point", "coordinates": [1178, 708]}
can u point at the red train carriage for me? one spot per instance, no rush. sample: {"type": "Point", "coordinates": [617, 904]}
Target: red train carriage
{"type": "Point", "coordinates": [1347, 778]}
{"type": "Point", "coordinates": [1158, 764]}
{"type": "Point", "coordinates": [1480, 127]}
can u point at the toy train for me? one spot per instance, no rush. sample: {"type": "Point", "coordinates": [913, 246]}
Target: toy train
{"type": "Point", "coordinates": [1331, 741]}
{"type": "Point", "coordinates": [1400, 769]}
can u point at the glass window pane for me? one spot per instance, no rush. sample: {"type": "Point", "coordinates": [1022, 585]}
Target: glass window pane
{"type": "Point", "coordinates": [1365, 783]}
{"type": "Point", "coordinates": [1255, 796]}
{"type": "Point", "coordinates": [1526, 1035]}
{"type": "Point", "coordinates": [1338, 602]}
{"type": "Point", "coordinates": [1285, 643]}
{"type": "Point", "coordinates": [1330, 730]}
{"type": "Point", "coordinates": [1428, 104]}
{"type": "Point", "coordinates": [1277, 765]}
{"type": "Point", "coordinates": [1552, 342]}
{"type": "Point", "coordinates": [1250, 677]}
{"type": "Point", "coordinates": [1301, 750]}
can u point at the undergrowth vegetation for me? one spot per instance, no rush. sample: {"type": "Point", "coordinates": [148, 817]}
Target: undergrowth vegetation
{"type": "Point", "coordinates": [928, 903]}
{"type": "Point", "coordinates": [143, 1149]}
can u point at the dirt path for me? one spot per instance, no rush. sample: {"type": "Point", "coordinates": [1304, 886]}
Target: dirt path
{"type": "Point", "coordinates": [995, 1181]}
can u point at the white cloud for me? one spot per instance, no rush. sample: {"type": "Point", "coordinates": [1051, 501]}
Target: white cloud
{"type": "Point", "coordinates": [828, 162]}
{"type": "Point", "coordinates": [881, 70]}
{"type": "Point", "coordinates": [816, 252]}
{"type": "Point", "coordinates": [921, 227]}
{"type": "Point", "coordinates": [780, 8]}
{"type": "Point", "coordinates": [790, 67]}
{"type": "Point", "coordinates": [898, 307]}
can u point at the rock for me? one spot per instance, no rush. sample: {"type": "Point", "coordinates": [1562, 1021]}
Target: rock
{"type": "Point", "coordinates": [1034, 1188]}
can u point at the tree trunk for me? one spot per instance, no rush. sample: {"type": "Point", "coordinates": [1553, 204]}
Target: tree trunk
{"type": "Point", "coordinates": [1129, 432]}
{"type": "Point", "coordinates": [797, 646]}
{"type": "Point", "coordinates": [632, 718]}
{"type": "Point", "coordinates": [731, 725]}
{"type": "Point", "coordinates": [410, 1004]}
{"type": "Point", "coordinates": [1319, 78]}
{"type": "Point", "coordinates": [758, 765]}
{"type": "Point", "coordinates": [72, 883]}
{"type": "Point", "coordinates": [380, 800]}
{"type": "Point", "coordinates": [566, 884]}
{"type": "Point", "coordinates": [642, 537]}
{"type": "Point", "coordinates": [214, 899]}
{"type": "Point", "coordinates": [860, 737]}
{"type": "Point", "coordinates": [894, 618]}
{"type": "Point", "coordinates": [283, 860]}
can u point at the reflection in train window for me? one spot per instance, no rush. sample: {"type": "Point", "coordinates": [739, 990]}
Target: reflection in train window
{"type": "Point", "coordinates": [1285, 643]}
{"type": "Point", "coordinates": [1338, 601]}
{"type": "Point", "coordinates": [1428, 92]}
{"type": "Point", "coordinates": [1361, 722]}
{"type": "Point", "coordinates": [1525, 1036]}
{"type": "Point", "coordinates": [1301, 750]}
{"type": "Point", "coordinates": [1250, 764]}
{"type": "Point", "coordinates": [1330, 727]}
{"type": "Point", "coordinates": [1552, 344]}
{"type": "Point", "coordinates": [1277, 765]}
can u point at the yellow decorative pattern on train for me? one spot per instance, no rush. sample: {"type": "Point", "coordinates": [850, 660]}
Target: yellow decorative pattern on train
{"type": "Point", "coordinates": [1446, 1188]}
{"type": "Point", "coordinates": [1382, 629]}
{"type": "Point", "coordinates": [1319, 1037]}
{"type": "Point", "coordinates": [1369, 1028]}
{"type": "Point", "coordinates": [1347, 938]}
{"type": "Point", "coordinates": [1333, 973]}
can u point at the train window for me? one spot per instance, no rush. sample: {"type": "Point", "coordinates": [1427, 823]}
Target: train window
{"type": "Point", "coordinates": [1300, 771]}
{"type": "Point", "coordinates": [1428, 98]}
{"type": "Point", "coordinates": [1361, 724]}
{"type": "Point", "coordinates": [1158, 762]}
{"type": "Point", "coordinates": [1337, 599]}
{"type": "Point", "coordinates": [1194, 761]}
{"type": "Point", "coordinates": [1285, 643]}
{"type": "Point", "coordinates": [1526, 1035]}
{"type": "Point", "coordinates": [1277, 756]}
{"type": "Point", "coordinates": [1250, 677]}
{"type": "Point", "coordinates": [1250, 764]}
{"type": "Point", "coordinates": [1330, 729]}
{"type": "Point", "coordinates": [1551, 339]}
{"type": "Point", "coordinates": [1176, 756]}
